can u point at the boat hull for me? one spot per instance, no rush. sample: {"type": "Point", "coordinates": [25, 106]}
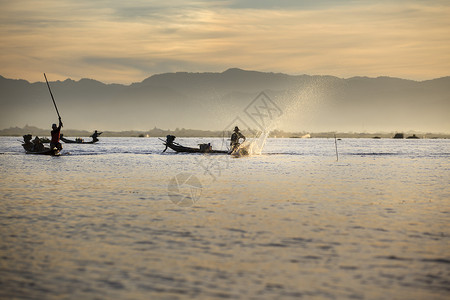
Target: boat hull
{"type": "Point", "coordinates": [179, 148]}
{"type": "Point", "coordinates": [46, 151]}
{"type": "Point", "coordinates": [77, 142]}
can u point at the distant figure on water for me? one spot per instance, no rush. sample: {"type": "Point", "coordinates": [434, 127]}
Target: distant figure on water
{"type": "Point", "coordinates": [95, 135]}
{"type": "Point", "coordinates": [235, 137]}
{"type": "Point", "coordinates": [56, 134]}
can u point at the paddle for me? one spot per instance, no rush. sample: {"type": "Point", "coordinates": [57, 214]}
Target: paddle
{"type": "Point", "coordinates": [51, 94]}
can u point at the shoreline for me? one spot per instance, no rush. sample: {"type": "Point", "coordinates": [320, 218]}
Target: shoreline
{"type": "Point", "coordinates": [157, 132]}
{"type": "Point", "coordinates": [312, 136]}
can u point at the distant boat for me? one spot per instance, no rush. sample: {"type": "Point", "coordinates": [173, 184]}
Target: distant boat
{"type": "Point", "coordinates": [45, 140]}
{"type": "Point", "coordinates": [306, 136]}
{"type": "Point", "coordinates": [77, 141]}
{"type": "Point", "coordinates": [413, 137]}
{"type": "Point", "coordinates": [398, 136]}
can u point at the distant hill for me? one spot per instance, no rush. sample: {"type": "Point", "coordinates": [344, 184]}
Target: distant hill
{"type": "Point", "coordinates": [210, 101]}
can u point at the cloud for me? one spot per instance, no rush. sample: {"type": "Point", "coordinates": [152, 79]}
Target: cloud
{"type": "Point", "coordinates": [143, 66]}
{"type": "Point", "coordinates": [126, 41]}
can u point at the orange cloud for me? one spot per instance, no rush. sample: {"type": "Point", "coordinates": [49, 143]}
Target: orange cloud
{"type": "Point", "coordinates": [128, 42]}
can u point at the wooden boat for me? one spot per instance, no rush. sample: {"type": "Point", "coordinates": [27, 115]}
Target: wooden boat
{"type": "Point", "coordinates": [46, 151]}
{"type": "Point", "coordinates": [37, 148]}
{"type": "Point", "coordinates": [203, 148]}
{"type": "Point", "coordinates": [77, 141]}
{"type": "Point", "coordinates": [413, 137]}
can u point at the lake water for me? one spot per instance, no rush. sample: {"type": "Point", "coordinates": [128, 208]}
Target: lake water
{"type": "Point", "coordinates": [121, 220]}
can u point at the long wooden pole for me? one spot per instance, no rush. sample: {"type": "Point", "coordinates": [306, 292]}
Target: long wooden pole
{"type": "Point", "coordinates": [51, 94]}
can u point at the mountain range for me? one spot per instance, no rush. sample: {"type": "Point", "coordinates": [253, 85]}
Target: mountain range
{"type": "Point", "coordinates": [216, 101]}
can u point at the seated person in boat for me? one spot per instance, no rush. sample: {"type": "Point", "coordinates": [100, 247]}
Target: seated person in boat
{"type": "Point", "coordinates": [27, 144]}
{"type": "Point", "coordinates": [235, 137]}
{"type": "Point", "coordinates": [79, 140]}
{"type": "Point", "coordinates": [95, 135]}
{"type": "Point", "coordinates": [205, 147]}
{"type": "Point", "coordinates": [37, 145]}
{"type": "Point", "coordinates": [56, 134]}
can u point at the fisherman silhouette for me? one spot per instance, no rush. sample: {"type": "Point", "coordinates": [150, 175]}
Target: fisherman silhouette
{"type": "Point", "coordinates": [235, 137]}
{"type": "Point", "coordinates": [169, 140]}
{"type": "Point", "coordinates": [56, 134]}
{"type": "Point", "coordinates": [37, 145]}
{"type": "Point", "coordinates": [95, 135]}
{"type": "Point", "coordinates": [27, 144]}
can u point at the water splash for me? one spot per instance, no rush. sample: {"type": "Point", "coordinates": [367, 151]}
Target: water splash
{"type": "Point", "coordinates": [255, 145]}
{"type": "Point", "coordinates": [252, 146]}
{"type": "Point", "coordinates": [305, 104]}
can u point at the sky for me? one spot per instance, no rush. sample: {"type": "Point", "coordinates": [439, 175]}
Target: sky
{"type": "Point", "coordinates": [120, 41]}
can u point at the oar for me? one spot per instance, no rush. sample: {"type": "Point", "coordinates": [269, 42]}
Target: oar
{"type": "Point", "coordinates": [51, 94]}
{"type": "Point", "coordinates": [175, 143]}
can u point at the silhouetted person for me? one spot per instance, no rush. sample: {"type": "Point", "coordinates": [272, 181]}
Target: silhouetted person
{"type": "Point", "coordinates": [37, 145]}
{"type": "Point", "coordinates": [95, 135]}
{"type": "Point", "coordinates": [27, 144]}
{"type": "Point", "coordinates": [235, 137]}
{"type": "Point", "coordinates": [169, 140]}
{"type": "Point", "coordinates": [56, 134]}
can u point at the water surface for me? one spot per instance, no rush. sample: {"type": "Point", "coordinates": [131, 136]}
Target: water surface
{"type": "Point", "coordinates": [98, 222]}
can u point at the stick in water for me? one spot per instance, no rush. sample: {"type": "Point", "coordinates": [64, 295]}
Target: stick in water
{"type": "Point", "coordinates": [54, 103]}
{"type": "Point", "coordinates": [335, 143]}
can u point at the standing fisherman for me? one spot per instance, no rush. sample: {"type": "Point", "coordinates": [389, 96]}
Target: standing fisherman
{"type": "Point", "coordinates": [235, 137]}
{"type": "Point", "coordinates": [56, 134]}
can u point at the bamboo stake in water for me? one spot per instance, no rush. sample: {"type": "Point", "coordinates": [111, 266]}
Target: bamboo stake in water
{"type": "Point", "coordinates": [335, 143]}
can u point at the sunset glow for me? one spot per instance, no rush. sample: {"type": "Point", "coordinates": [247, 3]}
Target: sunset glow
{"type": "Point", "coordinates": [125, 42]}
